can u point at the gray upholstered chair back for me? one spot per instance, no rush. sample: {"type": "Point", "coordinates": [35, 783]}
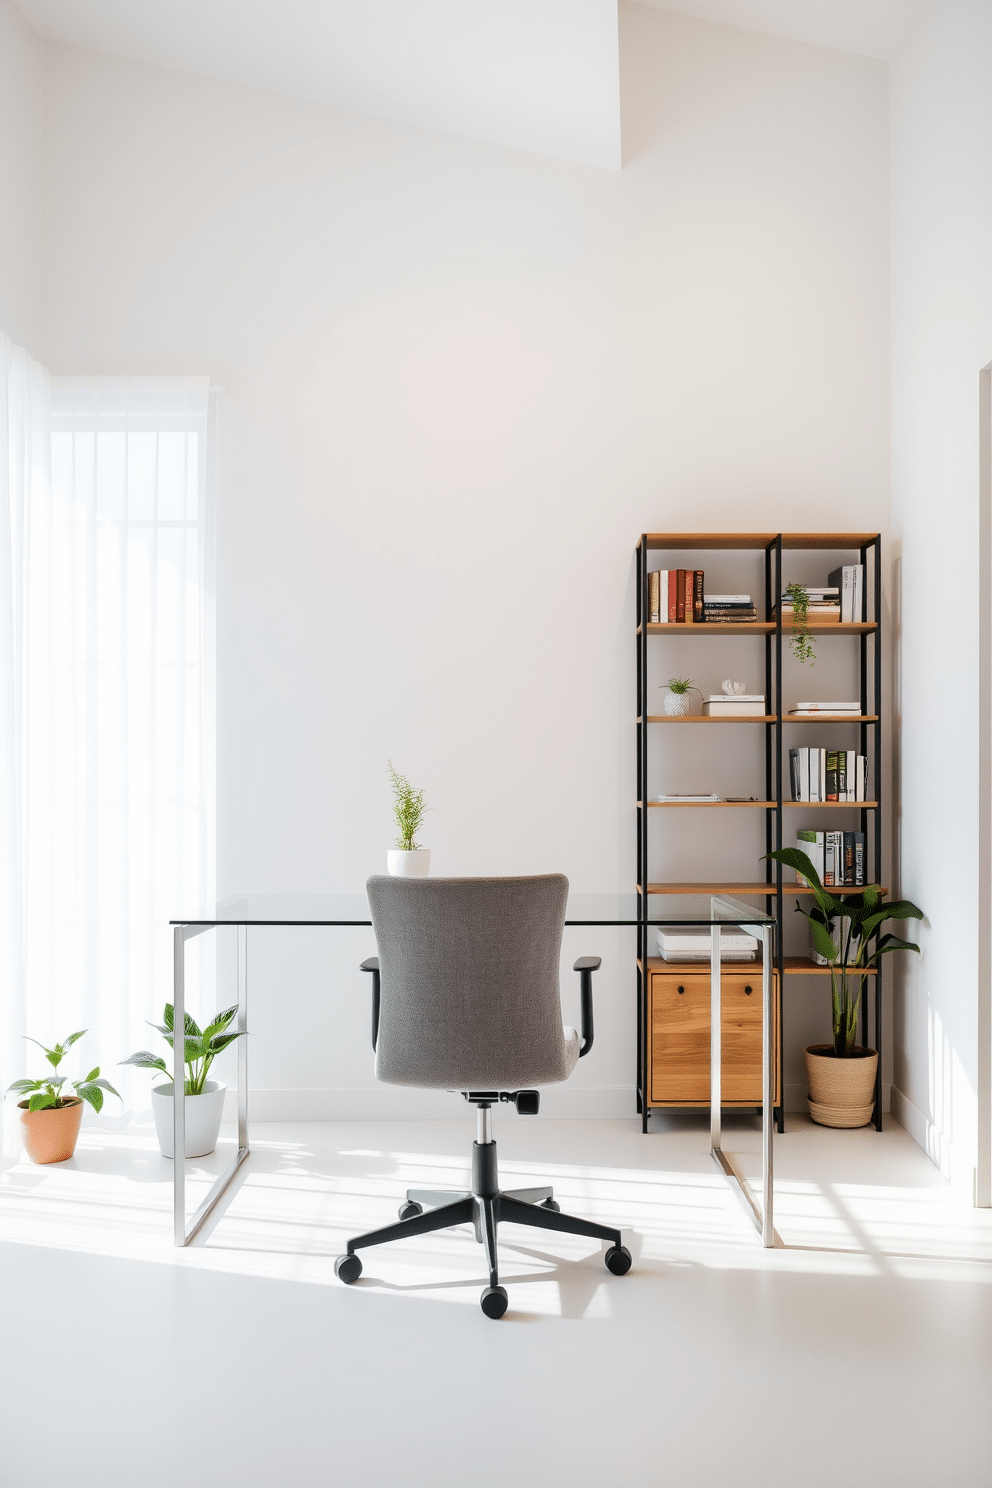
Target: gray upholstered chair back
{"type": "Point", "coordinates": [469, 969]}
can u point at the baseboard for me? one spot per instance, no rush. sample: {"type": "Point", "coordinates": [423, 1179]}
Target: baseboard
{"type": "Point", "coordinates": [403, 1103]}
{"type": "Point", "coordinates": [957, 1165]}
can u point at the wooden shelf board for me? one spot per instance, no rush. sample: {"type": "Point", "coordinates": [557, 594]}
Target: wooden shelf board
{"type": "Point", "coordinates": [829, 718]}
{"type": "Point", "coordinates": [758, 627]}
{"type": "Point", "coordinates": [718, 718]}
{"type": "Point", "coordinates": [856, 805]}
{"type": "Point", "coordinates": [681, 542]}
{"type": "Point", "coordinates": [750, 890]}
{"type": "Point", "coordinates": [711, 805]}
{"type": "Point", "coordinates": [794, 966]}
{"type": "Point", "coordinates": [806, 966]}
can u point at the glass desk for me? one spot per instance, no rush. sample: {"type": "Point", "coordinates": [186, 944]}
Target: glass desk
{"type": "Point", "coordinates": [333, 910]}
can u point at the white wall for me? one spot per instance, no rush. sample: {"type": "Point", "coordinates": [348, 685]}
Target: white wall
{"type": "Point", "coordinates": [942, 336]}
{"type": "Point", "coordinates": [20, 128]}
{"type": "Point", "coordinates": [461, 380]}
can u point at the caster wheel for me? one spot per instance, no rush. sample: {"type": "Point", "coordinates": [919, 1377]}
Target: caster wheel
{"type": "Point", "coordinates": [618, 1260]}
{"type": "Point", "coordinates": [494, 1301]}
{"type": "Point", "coordinates": [410, 1209]}
{"type": "Point", "coordinates": [348, 1268]}
{"type": "Point", "coordinates": [551, 1204]}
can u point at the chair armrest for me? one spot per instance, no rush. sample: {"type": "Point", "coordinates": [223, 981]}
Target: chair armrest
{"type": "Point", "coordinates": [372, 965]}
{"type": "Point", "coordinates": [585, 966]}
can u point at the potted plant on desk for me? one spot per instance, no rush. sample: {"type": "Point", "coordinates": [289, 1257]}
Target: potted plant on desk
{"type": "Point", "coordinates": [407, 859]}
{"type": "Point", "coordinates": [845, 931]}
{"type": "Point", "coordinates": [204, 1097]}
{"type": "Point", "coordinates": [50, 1120]}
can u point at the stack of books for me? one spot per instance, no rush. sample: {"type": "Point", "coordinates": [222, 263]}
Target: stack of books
{"type": "Point", "coordinates": [675, 596]}
{"type": "Point", "coordinates": [823, 609]}
{"type": "Point", "coordinates": [828, 775]}
{"type": "Point", "coordinates": [735, 945]}
{"type": "Point", "coordinates": [850, 582]}
{"type": "Point", "coordinates": [737, 705]}
{"type": "Point", "coordinates": [729, 609]}
{"type": "Point", "coordinates": [809, 710]}
{"type": "Point", "coordinates": [838, 857]}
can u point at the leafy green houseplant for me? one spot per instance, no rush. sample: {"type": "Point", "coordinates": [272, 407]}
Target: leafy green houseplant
{"type": "Point", "coordinates": [204, 1097]}
{"type": "Point", "coordinates": [846, 931]}
{"type": "Point", "coordinates": [681, 698]}
{"type": "Point", "coordinates": [407, 859]}
{"type": "Point", "coordinates": [51, 1118]}
{"type": "Point", "coordinates": [802, 642]}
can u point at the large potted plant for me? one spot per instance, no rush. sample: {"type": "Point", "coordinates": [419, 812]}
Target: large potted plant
{"type": "Point", "coordinates": [50, 1120]}
{"type": "Point", "coordinates": [407, 859]}
{"type": "Point", "coordinates": [204, 1097]}
{"type": "Point", "coordinates": [845, 930]}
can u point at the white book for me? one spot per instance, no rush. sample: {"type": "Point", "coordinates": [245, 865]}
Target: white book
{"type": "Point", "coordinates": [804, 775]}
{"type": "Point", "coordinates": [663, 599]}
{"type": "Point", "coordinates": [736, 697]}
{"type": "Point", "coordinates": [851, 771]}
{"type": "Point", "coordinates": [811, 843]}
{"type": "Point", "coordinates": [814, 775]}
{"type": "Point", "coordinates": [731, 939]}
{"type": "Point", "coordinates": [727, 599]}
{"type": "Point", "coordinates": [725, 707]}
{"type": "Point", "coordinates": [684, 798]}
{"type": "Point", "coordinates": [859, 592]}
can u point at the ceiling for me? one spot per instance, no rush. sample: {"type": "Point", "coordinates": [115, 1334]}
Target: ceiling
{"type": "Point", "coordinates": [535, 74]}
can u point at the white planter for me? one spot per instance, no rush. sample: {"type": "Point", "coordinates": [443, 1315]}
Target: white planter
{"type": "Point", "coordinates": [203, 1118]}
{"type": "Point", "coordinates": [683, 704]}
{"type": "Point", "coordinates": [403, 864]}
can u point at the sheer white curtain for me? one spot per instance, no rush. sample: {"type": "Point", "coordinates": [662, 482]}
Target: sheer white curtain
{"type": "Point", "coordinates": [116, 787]}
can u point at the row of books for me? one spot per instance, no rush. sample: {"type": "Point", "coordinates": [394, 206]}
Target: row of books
{"type": "Point", "coordinates": [828, 775]}
{"type": "Point", "coordinates": [838, 857]}
{"type": "Point", "coordinates": [676, 596]}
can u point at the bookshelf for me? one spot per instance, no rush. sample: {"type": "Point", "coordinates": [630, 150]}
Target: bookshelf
{"type": "Point", "coordinates": [654, 739]}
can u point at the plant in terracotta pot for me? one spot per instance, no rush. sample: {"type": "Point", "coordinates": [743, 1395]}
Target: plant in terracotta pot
{"type": "Point", "coordinates": [845, 931]}
{"type": "Point", "coordinates": [407, 859]}
{"type": "Point", "coordinates": [204, 1097]}
{"type": "Point", "coordinates": [50, 1120]}
{"type": "Point", "coordinates": [683, 698]}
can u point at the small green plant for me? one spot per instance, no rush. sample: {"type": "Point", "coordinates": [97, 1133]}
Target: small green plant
{"type": "Point", "coordinates": [681, 685]}
{"type": "Point", "coordinates": [409, 808]}
{"type": "Point", "coordinates": [860, 916]}
{"type": "Point", "coordinates": [200, 1051]}
{"type": "Point", "coordinates": [802, 643]}
{"type": "Point", "coordinates": [46, 1095]}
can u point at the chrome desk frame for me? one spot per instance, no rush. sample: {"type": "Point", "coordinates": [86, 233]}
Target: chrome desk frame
{"type": "Point", "coordinates": [181, 934]}
{"type": "Point", "coordinates": [761, 1215]}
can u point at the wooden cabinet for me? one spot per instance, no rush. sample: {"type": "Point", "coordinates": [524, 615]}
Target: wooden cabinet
{"type": "Point", "coordinates": [679, 1035]}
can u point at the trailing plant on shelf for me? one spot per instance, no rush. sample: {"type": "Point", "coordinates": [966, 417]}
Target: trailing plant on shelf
{"type": "Point", "coordinates": [201, 1047]}
{"type": "Point", "coordinates": [802, 642]}
{"type": "Point", "coordinates": [409, 808]}
{"type": "Point", "coordinates": [845, 931]}
{"type": "Point", "coordinates": [46, 1094]}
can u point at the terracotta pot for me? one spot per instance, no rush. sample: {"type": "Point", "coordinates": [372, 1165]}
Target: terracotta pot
{"type": "Point", "coordinates": [50, 1136]}
{"type": "Point", "coordinates": [841, 1091]}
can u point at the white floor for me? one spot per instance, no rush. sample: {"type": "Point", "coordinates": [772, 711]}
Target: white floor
{"type": "Point", "coordinates": [859, 1351]}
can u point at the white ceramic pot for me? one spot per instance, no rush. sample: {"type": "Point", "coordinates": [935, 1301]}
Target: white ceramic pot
{"type": "Point", "coordinates": [683, 704]}
{"type": "Point", "coordinates": [203, 1118]}
{"type": "Point", "coordinates": [403, 864]}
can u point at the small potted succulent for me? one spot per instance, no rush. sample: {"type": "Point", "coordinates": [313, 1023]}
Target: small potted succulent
{"type": "Point", "coordinates": [204, 1098]}
{"type": "Point", "coordinates": [49, 1119]}
{"type": "Point", "coordinates": [845, 931]}
{"type": "Point", "coordinates": [407, 859]}
{"type": "Point", "coordinates": [683, 698]}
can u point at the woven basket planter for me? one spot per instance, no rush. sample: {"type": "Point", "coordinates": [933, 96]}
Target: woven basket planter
{"type": "Point", "coordinates": [841, 1091]}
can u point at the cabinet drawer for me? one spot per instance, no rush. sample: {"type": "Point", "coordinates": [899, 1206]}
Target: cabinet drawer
{"type": "Point", "coordinates": [679, 1038]}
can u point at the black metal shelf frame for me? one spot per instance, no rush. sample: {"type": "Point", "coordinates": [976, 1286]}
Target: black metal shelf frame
{"type": "Point", "coordinates": [870, 734]}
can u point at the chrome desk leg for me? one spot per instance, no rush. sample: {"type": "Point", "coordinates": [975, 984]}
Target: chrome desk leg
{"type": "Point", "coordinates": [761, 1215]}
{"type": "Point", "coordinates": [182, 1235]}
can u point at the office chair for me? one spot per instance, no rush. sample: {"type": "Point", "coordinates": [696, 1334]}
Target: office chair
{"type": "Point", "coordinates": [465, 998]}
